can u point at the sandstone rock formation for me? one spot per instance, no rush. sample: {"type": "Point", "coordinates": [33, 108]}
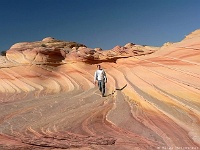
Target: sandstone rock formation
{"type": "Point", "coordinates": [49, 50]}
{"type": "Point", "coordinates": [53, 52]}
{"type": "Point", "coordinates": [48, 99]}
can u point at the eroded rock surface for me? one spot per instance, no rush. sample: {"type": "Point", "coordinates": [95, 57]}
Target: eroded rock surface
{"type": "Point", "coordinates": [48, 99]}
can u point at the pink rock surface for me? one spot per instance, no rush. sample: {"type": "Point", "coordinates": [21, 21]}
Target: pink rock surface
{"type": "Point", "coordinates": [48, 99]}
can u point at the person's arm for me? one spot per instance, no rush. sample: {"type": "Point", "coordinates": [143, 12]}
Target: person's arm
{"type": "Point", "coordinates": [105, 78]}
{"type": "Point", "coordinates": [95, 77]}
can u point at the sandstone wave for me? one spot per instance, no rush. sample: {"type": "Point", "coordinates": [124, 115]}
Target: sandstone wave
{"type": "Point", "coordinates": [48, 99]}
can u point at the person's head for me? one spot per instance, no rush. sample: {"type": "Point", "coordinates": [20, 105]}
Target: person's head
{"type": "Point", "coordinates": [99, 67]}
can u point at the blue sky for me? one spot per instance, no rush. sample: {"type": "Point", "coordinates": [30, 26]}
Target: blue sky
{"type": "Point", "coordinates": [98, 23]}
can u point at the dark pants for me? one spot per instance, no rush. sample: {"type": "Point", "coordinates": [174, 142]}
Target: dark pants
{"type": "Point", "coordinates": [101, 85]}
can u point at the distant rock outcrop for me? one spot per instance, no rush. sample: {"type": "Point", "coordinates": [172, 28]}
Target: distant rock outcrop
{"type": "Point", "coordinates": [51, 51]}
{"type": "Point", "coordinates": [129, 45]}
{"type": "Point", "coordinates": [47, 51]}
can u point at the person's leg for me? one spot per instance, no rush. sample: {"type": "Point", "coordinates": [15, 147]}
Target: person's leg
{"type": "Point", "coordinates": [99, 85]}
{"type": "Point", "coordinates": [103, 88]}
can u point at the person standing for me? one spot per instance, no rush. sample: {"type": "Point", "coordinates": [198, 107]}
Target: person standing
{"type": "Point", "coordinates": [100, 77]}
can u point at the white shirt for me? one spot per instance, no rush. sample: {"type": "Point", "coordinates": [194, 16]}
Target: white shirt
{"type": "Point", "coordinates": [100, 75]}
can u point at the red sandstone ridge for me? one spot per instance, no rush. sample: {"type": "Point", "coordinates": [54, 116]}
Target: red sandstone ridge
{"type": "Point", "coordinates": [52, 51]}
{"type": "Point", "coordinates": [49, 50]}
{"type": "Point", "coordinates": [48, 99]}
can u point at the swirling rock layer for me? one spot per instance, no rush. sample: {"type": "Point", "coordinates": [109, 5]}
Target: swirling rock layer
{"type": "Point", "coordinates": [51, 102]}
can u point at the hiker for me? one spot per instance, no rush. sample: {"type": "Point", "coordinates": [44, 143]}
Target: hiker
{"type": "Point", "coordinates": [100, 76]}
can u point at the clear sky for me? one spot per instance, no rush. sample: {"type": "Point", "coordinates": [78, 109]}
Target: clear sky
{"type": "Point", "coordinates": [98, 23]}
